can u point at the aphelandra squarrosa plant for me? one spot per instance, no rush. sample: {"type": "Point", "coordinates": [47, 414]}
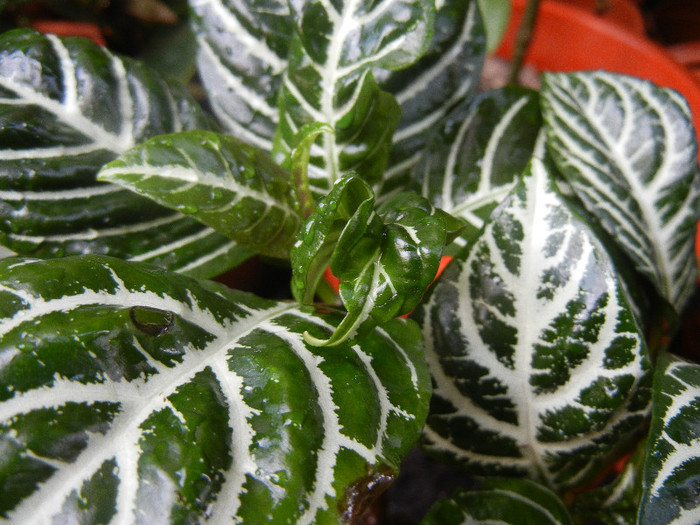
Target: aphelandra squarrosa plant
{"type": "Point", "coordinates": [347, 135]}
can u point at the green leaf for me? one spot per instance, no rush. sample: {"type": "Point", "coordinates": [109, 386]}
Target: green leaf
{"type": "Point", "coordinates": [329, 79]}
{"type": "Point", "coordinates": [539, 366]}
{"type": "Point", "coordinates": [478, 155]}
{"type": "Point", "coordinates": [385, 257]}
{"type": "Point", "coordinates": [299, 161]}
{"type": "Point", "coordinates": [132, 394]}
{"type": "Point", "coordinates": [445, 77]}
{"type": "Point", "coordinates": [502, 501]}
{"type": "Point", "coordinates": [629, 150]}
{"type": "Point", "coordinates": [67, 107]}
{"type": "Point", "coordinates": [242, 54]}
{"type": "Point", "coordinates": [672, 468]}
{"type": "Point", "coordinates": [226, 184]}
{"type": "Point", "coordinates": [617, 502]}
{"type": "Point", "coordinates": [496, 14]}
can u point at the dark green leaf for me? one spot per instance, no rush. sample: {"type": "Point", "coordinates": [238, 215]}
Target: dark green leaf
{"type": "Point", "coordinates": [617, 502]}
{"type": "Point", "coordinates": [242, 55]}
{"type": "Point", "coordinates": [226, 184]}
{"type": "Point", "coordinates": [501, 501]}
{"type": "Point", "coordinates": [444, 78]}
{"type": "Point", "coordinates": [629, 151]}
{"type": "Point", "coordinates": [329, 79]}
{"type": "Point", "coordinates": [67, 107]}
{"type": "Point", "coordinates": [478, 155]}
{"type": "Point", "coordinates": [672, 468]}
{"type": "Point", "coordinates": [539, 366]}
{"type": "Point", "coordinates": [136, 395]}
{"type": "Point", "coordinates": [385, 257]}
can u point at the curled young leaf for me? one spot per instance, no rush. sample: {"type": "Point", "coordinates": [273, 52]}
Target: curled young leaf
{"type": "Point", "coordinates": [385, 257]}
{"type": "Point", "coordinates": [539, 366]}
{"type": "Point", "coordinates": [672, 467]}
{"type": "Point", "coordinates": [220, 181]}
{"type": "Point", "coordinates": [629, 151]}
{"type": "Point", "coordinates": [133, 395]}
{"type": "Point", "coordinates": [69, 106]}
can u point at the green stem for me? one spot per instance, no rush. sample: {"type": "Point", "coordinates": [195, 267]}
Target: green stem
{"type": "Point", "coordinates": [522, 39]}
{"type": "Point", "coordinates": [300, 180]}
{"type": "Point", "coordinates": [304, 140]}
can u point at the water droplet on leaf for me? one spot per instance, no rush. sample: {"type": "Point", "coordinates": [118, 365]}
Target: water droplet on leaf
{"type": "Point", "coordinates": [152, 321]}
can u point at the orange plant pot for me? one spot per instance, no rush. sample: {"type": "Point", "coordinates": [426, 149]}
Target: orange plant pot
{"type": "Point", "coordinates": [625, 13]}
{"type": "Point", "coordinates": [570, 39]}
{"type": "Point", "coordinates": [70, 28]}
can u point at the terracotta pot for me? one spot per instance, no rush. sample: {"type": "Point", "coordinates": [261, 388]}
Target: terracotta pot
{"type": "Point", "coordinates": [624, 13]}
{"type": "Point", "coordinates": [569, 39]}
{"type": "Point", "coordinates": [687, 54]}
{"type": "Point", "coordinates": [69, 28]}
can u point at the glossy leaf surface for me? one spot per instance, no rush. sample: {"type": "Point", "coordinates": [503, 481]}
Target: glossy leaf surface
{"type": "Point", "coordinates": [329, 80]}
{"type": "Point", "coordinates": [629, 150]}
{"type": "Point", "coordinates": [672, 469]}
{"type": "Point", "coordinates": [538, 365]}
{"type": "Point", "coordinates": [67, 107]}
{"type": "Point", "coordinates": [226, 184]}
{"type": "Point", "coordinates": [501, 501]}
{"type": "Point", "coordinates": [242, 54]}
{"type": "Point", "coordinates": [478, 155]}
{"type": "Point", "coordinates": [385, 257]}
{"type": "Point", "coordinates": [133, 395]}
{"type": "Point", "coordinates": [444, 78]}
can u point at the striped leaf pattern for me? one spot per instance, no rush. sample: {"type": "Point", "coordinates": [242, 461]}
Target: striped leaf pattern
{"type": "Point", "coordinates": [68, 107]}
{"type": "Point", "coordinates": [231, 186]}
{"type": "Point", "coordinates": [129, 394]}
{"type": "Point", "coordinates": [538, 364]}
{"type": "Point", "coordinates": [672, 470]}
{"type": "Point", "coordinates": [443, 79]}
{"type": "Point", "coordinates": [329, 79]}
{"type": "Point", "coordinates": [501, 501]}
{"type": "Point", "coordinates": [630, 153]}
{"type": "Point", "coordinates": [242, 54]}
{"type": "Point", "coordinates": [478, 155]}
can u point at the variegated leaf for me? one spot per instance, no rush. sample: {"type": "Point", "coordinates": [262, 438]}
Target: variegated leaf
{"type": "Point", "coordinates": [672, 469]}
{"type": "Point", "coordinates": [384, 257]}
{"type": "Point", "coordinates": [617, 502]}
{"type": "Point", "coordinates": [329, 79]}
{"type": "Point", "coordinates": [243, 47]}
{"type": "Point", "coordinates": [129, 394]}
{"type": "Point", "coordinates": [427, 91]}
{"type": "Point", "coordinates": [538, 365]}
{"type": "Point", "coordinates": [478, 155]}
{"type": "Point", "coordinates": [67, 107]}
{"type": "Point", "coordinates": [226, 184]}
{"type": "Point", "coordinates": [629, 150]}
{"type": "Point", "coordinates": [502, 502]}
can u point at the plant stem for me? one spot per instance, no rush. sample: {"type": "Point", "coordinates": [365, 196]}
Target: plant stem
{"type": "Point", "coordinates": [303, 141]}
{"type": "Point", "coordinates": [301, 187]}
{"type": "Point", "coordinates": [523, 38]}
